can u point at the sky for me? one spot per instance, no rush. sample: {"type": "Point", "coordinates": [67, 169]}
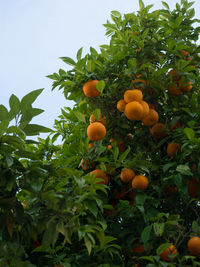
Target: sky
{"type": "Point", "coordinates": [35, 33]}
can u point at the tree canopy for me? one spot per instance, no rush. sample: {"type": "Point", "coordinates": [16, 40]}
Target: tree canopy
{"type": "Point", "coordinates": [122, 188]}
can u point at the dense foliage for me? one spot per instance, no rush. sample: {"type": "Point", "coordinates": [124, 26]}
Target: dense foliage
{"type": "Point", "coordinates": [53, 211]}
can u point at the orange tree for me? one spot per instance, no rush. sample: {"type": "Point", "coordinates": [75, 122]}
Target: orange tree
{"type": "Point", "coordinates": [123, 188]}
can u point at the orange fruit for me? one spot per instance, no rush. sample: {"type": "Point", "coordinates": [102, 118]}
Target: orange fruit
{"type": "Point", "coordinates": [90, 90]}
{"type": "Point", "coordinates": [184, 53]}
{"type": "Point", "coordinates": [187, 87]}
{"type": "Point", "coordinates": [109, 147]}
{"type": "Point", "coordinates": [151, 119]}
{"type": "Point", "coordinates": [99, 174]}
{"type": "Point", "coordinates": [102, 119]}
{"type": "Point", "coordinates": [96, 131]}
{"type": "Point", "coordinates": [134, 111]}
{"type": "Point", "coordinates": [121, 104]}
{"type": "Point", "coordinates": [167, 252]}
{"type": "Point", "coordinates": [174, 90]}
{"type": "Point", "coordinates": [133, 95]}
{"type": "Point", "coordinates": [157, 130]}
{"type": "Point", "coordinates": [111, 140]}
{"type": "Point", "coordinates": [194, 245]}
{"type": "Point", "coordinates": [175, 75]}
{"type": "Point", "coordinates": [140, 182]}
{"type": "Point", "coordinates": [127, 175]}
{"type": "Point", "coordinates": [173, 148]}
{"type": "Point", "coordinates": [145, 108]}
{"type": "Point", "coordinates": [192, 186]}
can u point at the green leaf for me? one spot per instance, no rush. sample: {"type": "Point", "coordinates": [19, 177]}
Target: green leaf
{"type": "Point", "coordinates": [28, 99]}
{"type": "Point", "coordinates": [80, 116]}
{"type": "Point", "coordinates": [116, 13]}
{"type": "Point", "coordinates": [35, 129]}
{"type": "Point", "coordinates": [184, 169]}
{"type": "Point", "coordinates": [100, 86]}
{"type": "Point", "coordinates": [88, 244]}
{"type": "Point", "coordinates": [14, 105]}
{"type": "Point", "coordinates": [109, 239]}
{"type": "Point", "coordinates": [79, 53]}
{"type": "Point", "coordinates": [93, 52]}
{"type": "Point", "coordinates": [4, 126]}
{"type": "Point", "coordinates": [146, 234]}
{"type": "Point", "coordinates": [167, 166]}
{"type": "Point", "coordinates": [189, 133]}
{"type": "Point", "coordinates": [158, 228]}
{"type": "Point", "coordinates": [165, 5]}
{"type": "Point", "coordinates": [90, 66]}
{"type": "Point", "coordinates": [141, 5]}
{"type": "Point", "coordinates": [162, 247]}
{"type": "Point", "coordinates": [115, 153]}
{"type": "Point", "coordinates": [124, 155]}
{"type": "Point", "coordinates": [4, 114]}
{"type": "Point", "coordinates": [92, 206]}
{"type": "Point", "coordinates": [13, 140]}
{"type": "Point", "coordinates": [68, 61]}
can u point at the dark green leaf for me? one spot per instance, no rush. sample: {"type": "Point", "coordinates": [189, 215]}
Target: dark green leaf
{"type": "Point", "coordinates": [79, 53]}
{"type": "Point", "coordinates": [14, 105]}
{"type": "Point", "coordinates": [35, 129]}
{"type": "Point", "coordinates": [146, 233]}
{"type": "Point", "coordinates": [165, 5]}
{"type": "Point", "coordinates": [4, 126]}
{"type": "Point", "coordinates": [80, 116]}
{"type": "Point", "coordinates": [158, 228]}
{"type": "Point", "coordinates": [4, 115]}
{"type": "Point", "coordinates": [28, 99]}
{"type": "Point", "coordinates": [68, 61]}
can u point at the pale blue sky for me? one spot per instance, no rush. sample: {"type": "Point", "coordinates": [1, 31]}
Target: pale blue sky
{"type": "Point", "coordinates": [35, 33]}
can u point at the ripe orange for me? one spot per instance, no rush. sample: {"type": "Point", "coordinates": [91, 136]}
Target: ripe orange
{"type": "Point", "coordinates": [194, 245]}
{"type": "Point", "coordinates": [174, 89]}
{"type": "Point", "coordinates": [134, 111]}
{"type": "Point", "coordinates": [127, 175]}
{"type": "Point", "coordinates": [151, 106]}
{"type": "Point", "coordinates": [99, 174]}
{"type": "Point", "coordinates": [173, 148]}
{"type": "Point", "coordinates": [121, 104]}
{"type": "Point", "coordinates": [184, 53]}
{"type": "Point", "coordinates": [151, 119]}
{"type": "Point", "coordinates": [111, 140]}
{"type": "Point", "coordinates": [93, 119]}
{"type": "Point", "coordinates": [167, 252]}
{"type": "Point", "coordinates": [140, 182]}
{"type": "Point", "coordinates": [175, 75]}
{"type": "Point", "coordinates": [90, 90]}
{"type": "Point", "coordinates": [187, 87]}
{"type": "Point", "coordinates": [145, 108]}
{"type": "Point", "coordinates": [157, 130]}
{"type": "Point", "coordinates": [109, 147]}
{"type": "Point", "coordinates": [96, 131]}
{"type": "Point", "coordinates": [133, 95]}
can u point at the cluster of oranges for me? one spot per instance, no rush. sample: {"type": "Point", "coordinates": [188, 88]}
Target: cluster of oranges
{"type": "Point", "coordinates": [135, 108]}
